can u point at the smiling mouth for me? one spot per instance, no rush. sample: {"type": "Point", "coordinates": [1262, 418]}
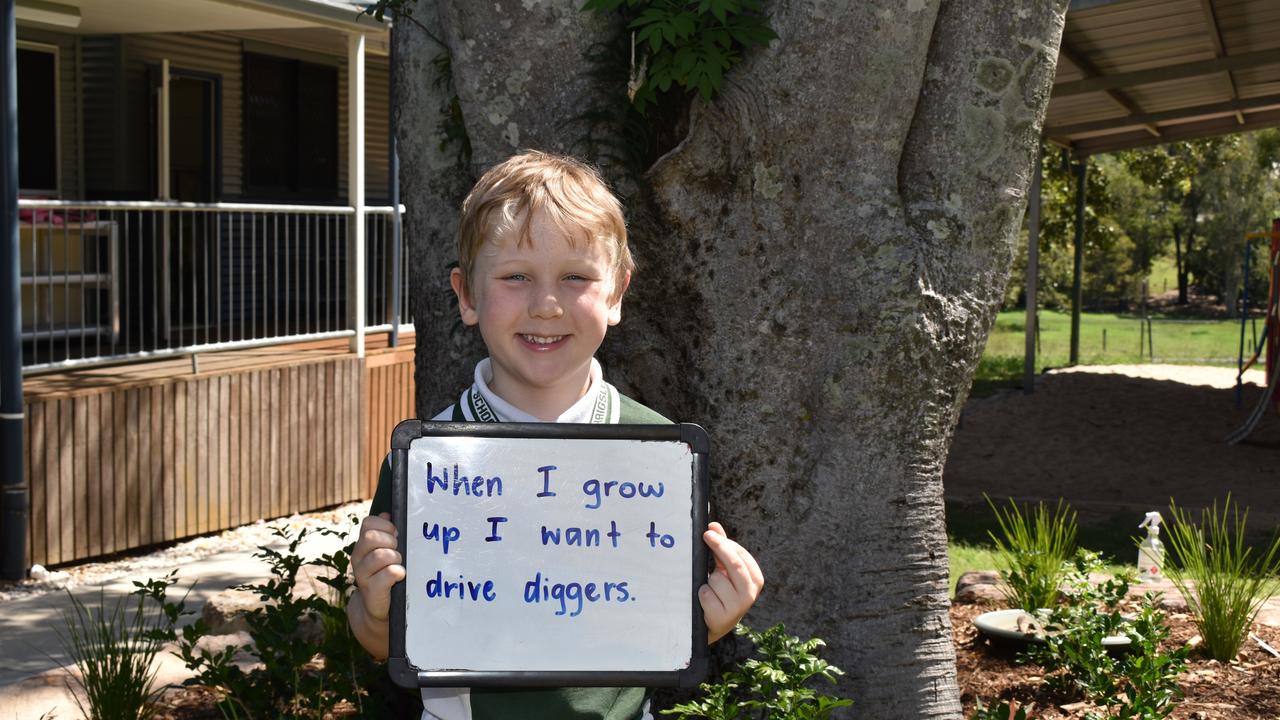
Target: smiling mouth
{"type": "Point", "coordinates": [543, 339]}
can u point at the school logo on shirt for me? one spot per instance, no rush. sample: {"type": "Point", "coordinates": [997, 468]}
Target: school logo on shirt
{"type": "Point", "coordinates": [480, 409]}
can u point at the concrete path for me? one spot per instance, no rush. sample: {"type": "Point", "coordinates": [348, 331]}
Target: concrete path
{"type": "Point", "coordinates": [33, 681]}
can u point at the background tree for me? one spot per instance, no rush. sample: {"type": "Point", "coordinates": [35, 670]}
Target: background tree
{"type": "Point", "coordinates": [1240, 195]}
{"type": "Point", "coordinates": [821, 258]}
{"type": "Point", "coordinates": [1175, 169]}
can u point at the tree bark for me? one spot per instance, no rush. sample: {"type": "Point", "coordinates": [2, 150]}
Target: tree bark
{"type": "Point", "coordinates": [822, 262]}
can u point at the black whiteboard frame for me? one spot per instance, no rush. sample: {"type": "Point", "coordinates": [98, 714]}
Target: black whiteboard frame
{"type": "Point", "coordinates": [408, 676]}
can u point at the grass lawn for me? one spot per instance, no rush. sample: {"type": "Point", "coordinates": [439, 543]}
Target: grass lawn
{"type": "Point", "coordinates": [970, 548]}
{"type": "Point", "coordinates": [1164, 275]}
{"type": "Point", "coordinates": [1176, 341]}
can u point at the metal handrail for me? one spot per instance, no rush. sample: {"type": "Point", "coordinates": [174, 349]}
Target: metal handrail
{"type": "Point", "coordinates": [133, 281]}
{"type": "Point", "coordinates": [39, 204]}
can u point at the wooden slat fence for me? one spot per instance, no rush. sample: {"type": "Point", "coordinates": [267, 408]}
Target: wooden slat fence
{"type": "Point", "coordinates": [389, 379]}
{"type": "Point", "coordinates": [123, 466]}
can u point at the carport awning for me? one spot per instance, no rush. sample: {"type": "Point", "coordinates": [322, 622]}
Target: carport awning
{"type": "Point", "coordinates": [1134, 73]}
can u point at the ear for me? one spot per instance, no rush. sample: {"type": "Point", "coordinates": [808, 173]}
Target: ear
{"type": "Point", "coordinates": [615, 307]}
{"type": "Point", "coordinates": [466, 308]}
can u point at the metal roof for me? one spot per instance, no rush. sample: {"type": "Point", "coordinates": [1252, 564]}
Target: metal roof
{"type": "Point", "coordinates": [1134, 73]}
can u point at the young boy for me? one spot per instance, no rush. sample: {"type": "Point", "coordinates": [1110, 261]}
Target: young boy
{"type": "Point", "coordinates": [543, 265]}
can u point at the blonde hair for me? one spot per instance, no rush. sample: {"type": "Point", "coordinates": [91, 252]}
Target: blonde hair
{"type": "Point", "coordinates": [569, 193]}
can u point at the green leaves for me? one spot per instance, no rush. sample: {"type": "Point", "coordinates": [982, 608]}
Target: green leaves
{"type": "Point", "coordinates": [296, 677]}
{"type": "Point", "coordinates": [771, 684]}
{"type": "Point", "coordinates": [1221, 577]}
{"type": "Point", "coordinates": [687, 44]}
{"type": "Point", "coordinates": [114, 651]}
{"type": "Point", "coordinates": [1141, 683]}
{"type": "Point", "coordinates": [1031, 549]}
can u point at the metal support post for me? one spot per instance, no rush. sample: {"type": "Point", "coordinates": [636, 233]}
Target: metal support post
{"type": "Point", "coordinates": [394, 184]}
{"type": "Point", "coordinates": [15, 501]}
{"type": "Point", "coordinates": [1033, 273]}
{"type": "Point", "coordinates": [1081, 170]}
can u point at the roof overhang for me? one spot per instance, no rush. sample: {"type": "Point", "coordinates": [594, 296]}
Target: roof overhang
{"type": "Point", "coordinates": [1134, 73]}
{"type": "Point", "coordinates": [109, 17]}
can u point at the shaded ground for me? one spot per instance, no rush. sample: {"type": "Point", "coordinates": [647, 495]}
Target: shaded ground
{"type": "Point", "coordinates": [1115, 446]}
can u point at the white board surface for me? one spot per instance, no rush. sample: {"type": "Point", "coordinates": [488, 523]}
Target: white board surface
{"type": "Point", "coordinates": [587, 569]}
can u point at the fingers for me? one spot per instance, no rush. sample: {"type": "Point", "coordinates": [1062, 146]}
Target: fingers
{"type": "Point", "coordinates": [732, 588]}
{"type": "Point", "coordinates": [377, 564]}
{"type": "Point", "coordinates": [734, 562]}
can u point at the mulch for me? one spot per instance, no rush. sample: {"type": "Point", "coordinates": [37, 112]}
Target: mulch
{"type": "Point", "coordinates": [1247, 688]}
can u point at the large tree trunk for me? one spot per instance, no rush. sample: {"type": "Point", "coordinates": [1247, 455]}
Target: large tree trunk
{"type": "Point", "coordinates": [1180, 264]}
{"type": "Point", "coordinates": [824, 259]}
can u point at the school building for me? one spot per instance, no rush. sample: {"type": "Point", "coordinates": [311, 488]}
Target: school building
{"type": "Point", "coordinates": [214, 314]}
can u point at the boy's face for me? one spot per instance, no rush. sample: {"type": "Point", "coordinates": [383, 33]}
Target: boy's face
{"type": "Point", "coordinates": [543, 309]}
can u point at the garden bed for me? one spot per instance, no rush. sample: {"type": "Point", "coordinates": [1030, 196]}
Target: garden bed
{"type": "Point", "coordinates": [1245, 689]}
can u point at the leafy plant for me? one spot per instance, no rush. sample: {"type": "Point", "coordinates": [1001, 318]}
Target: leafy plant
{"type": "Point", "coordinates": [1140, 683]}
{"type": "Point", "coordinates": [687, 43]}
{"type": "Point", "coordinates": [1031, 550]}
{"type": "Point", "coordinates": [298, 677]}
{"type": "Point", "coordinates": [1003, 711]}
{"type": "Point", "coordinates": [114, 651]}
{"type": "Point", "coordinates": [771, 684]}
{"type": "Point", "coordinates": [1222, 580]}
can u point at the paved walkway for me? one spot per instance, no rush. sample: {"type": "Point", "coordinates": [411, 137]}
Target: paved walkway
{"type": "Point", "coordinates": [32, 681]}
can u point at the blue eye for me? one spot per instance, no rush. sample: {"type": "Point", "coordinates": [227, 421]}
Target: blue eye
{"type": "Point", "coordinates": [516, 276]}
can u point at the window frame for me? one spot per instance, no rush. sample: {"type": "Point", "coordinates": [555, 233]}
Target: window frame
{"type": "Point", "coordinates": [254, 191]}
{"type": "Point", "coordinates": [56, 51]}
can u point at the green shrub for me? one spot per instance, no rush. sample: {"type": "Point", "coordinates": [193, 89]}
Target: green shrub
{"type": "Point", "coordinates": [687, 44]}
{"type": "Point", "coordinates": [771, 684]}
{"type": "Point", "coordinates": [114, 651]}
{"type": "Point", "coordinates": [1222, 580]}
{"type": "Point", "coordinates": [1003, 711]}
{"type": "Point", "coordinates": [1031, 550]}
{"type": "Point", "coordinates": [1138, 684]}
{"type": "Point", "coordinates": [297, 678]}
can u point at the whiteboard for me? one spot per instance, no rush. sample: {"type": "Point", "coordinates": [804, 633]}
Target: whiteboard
{"type": "Point", "coordinates": [549, 554]}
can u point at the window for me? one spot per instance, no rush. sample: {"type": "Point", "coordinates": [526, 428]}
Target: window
{"type": "Point", "coordinates": [291, 129]}
{"type": "Point", "coordinates": [38, 120]}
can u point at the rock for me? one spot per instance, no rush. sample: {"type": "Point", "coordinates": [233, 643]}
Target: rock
{"type": "Point", "coordinates": [213, 644]}
{"type": "Point", "coordinates": [42, 574]}
{"type": "Point", "coordinates": [1269, 615]}
{"type": "Point", "coordinates": [978, 586]}
{"type": "Point", "coordinates": [225, 612]}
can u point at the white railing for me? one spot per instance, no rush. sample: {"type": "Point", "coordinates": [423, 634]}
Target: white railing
{"type": "Point", "coordinates": [106, 282]}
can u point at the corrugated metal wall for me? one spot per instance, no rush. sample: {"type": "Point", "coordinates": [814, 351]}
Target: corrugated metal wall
{"type": "Point", "coordinates": [103, 93]}
{"type": "Point", "coordinates": [117, 131]}
{"type": "Point", "coordinates": [222, 54]}
{"type": "Point", "coordinates": [206, 53]}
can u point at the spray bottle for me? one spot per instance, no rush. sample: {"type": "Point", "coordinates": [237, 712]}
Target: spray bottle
{"type": "Point", "coordinates": [1151, 550]}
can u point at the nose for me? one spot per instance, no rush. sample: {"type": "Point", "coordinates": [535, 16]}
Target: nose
{"type": "Point", "coordinates": [544, 304]}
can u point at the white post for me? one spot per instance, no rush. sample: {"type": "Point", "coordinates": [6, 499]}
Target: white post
{"type": "Point", "coordinates": [355, 189]}
{"type": "Point", "coordinates": [162, 172]}
{"type": "Point", "coordinates": [165, 192]}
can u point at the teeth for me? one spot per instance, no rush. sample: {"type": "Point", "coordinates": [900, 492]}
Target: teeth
{"type": "Point", "coordinates": [543, 339]}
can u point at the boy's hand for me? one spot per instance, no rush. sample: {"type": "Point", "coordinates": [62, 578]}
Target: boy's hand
{"type": "Point", "coordinates": [377, 565]}
{"type": "Point", "coordinates": [732, 588]}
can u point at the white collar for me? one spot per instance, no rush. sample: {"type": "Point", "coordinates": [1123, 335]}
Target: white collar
{"type": "Point", "coordinates": [599, 404]}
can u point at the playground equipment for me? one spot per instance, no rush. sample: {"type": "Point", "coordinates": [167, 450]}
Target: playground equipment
{"type": "Point", "coordinates": [1270, 337]}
